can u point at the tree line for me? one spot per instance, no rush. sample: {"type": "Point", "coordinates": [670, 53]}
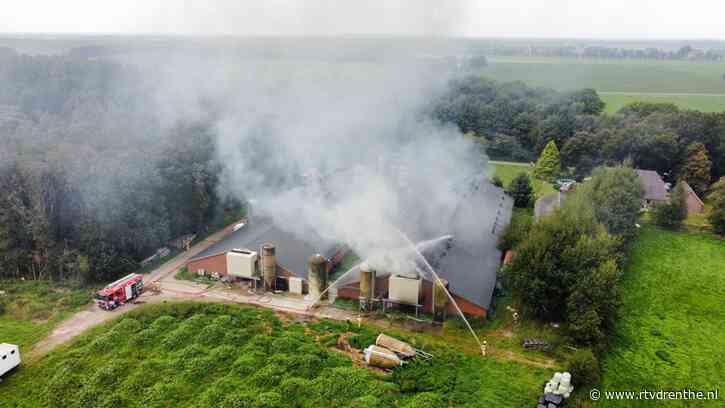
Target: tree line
{"type": "Point", "coordinates": [516, 122]}
{"type": "Point", "coordinates": [92, 181]}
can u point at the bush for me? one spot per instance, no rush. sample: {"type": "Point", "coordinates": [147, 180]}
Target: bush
{"type": "Point", "coordinates": [426, 400]}
{"type": "Point", "coordinates": [496, 181]}
{"type": "Point", "coordinates": [514, 233]}
{"type": "Point", "coordinates": [717, 214]}
{"type": "Point", "coordinates": [584, 368]}
{"type": "Point", "coordinates": [521, 191]}
{"type": "Point", "coordinates": [671, 214]}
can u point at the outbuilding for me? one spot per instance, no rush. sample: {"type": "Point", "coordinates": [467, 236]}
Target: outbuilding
{"type": "Point", "coordinates": [694, 203]}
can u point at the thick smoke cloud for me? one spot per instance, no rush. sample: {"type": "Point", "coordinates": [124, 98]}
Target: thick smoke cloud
{"type": "Point", "coordinates": [345, 151]}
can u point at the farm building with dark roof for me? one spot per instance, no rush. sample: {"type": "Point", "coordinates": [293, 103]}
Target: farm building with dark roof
{"type": "Point", "coordinates": [654, 189]}
{"type": "Point", "coordinates": [467, 258]}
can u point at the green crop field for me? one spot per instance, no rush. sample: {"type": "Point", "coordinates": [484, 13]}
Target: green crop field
{"type": "Point", "coordinates": [611, 75]}
{"type": "Point", "coordinates": [30, 309]}
{"type": "Point", "coordinates": [640, 78]}
{"type": "Point", "coordinates": [506, 171]}
{"type": "Point", "coordinates": [214, 355]}
{"type": "Point", "coordinates": [703, 103]}
{"type": "Point", "coordinates": [672, 329]}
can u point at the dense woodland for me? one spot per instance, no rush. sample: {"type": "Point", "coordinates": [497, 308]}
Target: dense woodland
{"type": "Point", "coordinates": [92, 181]}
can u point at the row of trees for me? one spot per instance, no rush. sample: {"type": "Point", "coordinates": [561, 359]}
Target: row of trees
{"type": "Point", "coordinates": [516, 122]}
{"type": "Point", "coordinates": [92, 182]}
{"type": "Point", "coordinates": [684, 53]}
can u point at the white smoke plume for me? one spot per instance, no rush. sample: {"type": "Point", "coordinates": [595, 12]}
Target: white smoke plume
{"type": "Point", "coordinates": [342, 150]}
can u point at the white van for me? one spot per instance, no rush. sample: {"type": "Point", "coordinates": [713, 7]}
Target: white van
{"type": "Point", "coordinates": [9, 357]}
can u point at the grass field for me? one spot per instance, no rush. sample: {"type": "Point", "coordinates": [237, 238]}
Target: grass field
{"type": "Point", "coordinates": [506, 171]}
{"type": "Point", "coordinates": [672, 330]}
{"type": "Point", "coordinates": [204, 355]}
{"type": "Point", "coordinates": [32, 308]}
{"type": "Point", "coordinates": [625, 76]}
{"type": "Point", "coordinates": [703, 103]}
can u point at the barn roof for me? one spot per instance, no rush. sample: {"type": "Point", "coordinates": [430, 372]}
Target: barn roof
{"type": "Point", "coordinates": [470, 261]}
{"type": "Point", "coordinates": [546, 205]}
{"type": "Point", "coordinates": [292, 252]}
{"type": "Point", "coordinates": [652, 185]}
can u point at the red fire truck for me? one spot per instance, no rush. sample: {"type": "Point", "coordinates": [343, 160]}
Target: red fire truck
{"type": "Point", "coordinates": [120, 292]}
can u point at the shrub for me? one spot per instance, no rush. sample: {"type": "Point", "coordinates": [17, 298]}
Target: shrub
{"type": "Point", "coordinates": [496, 181]}
{"type": "Point", "coordinates": [211, 334]}
{"type": "Point", "coordinates": [426, 400]}
{"type": "Point", "coordinates": [162, 323]}
{"type": "Point", "coordinates": [295, 390]}
{"type": "Point", "coordinates": [671, 214]}
{"type": "Point", "coordinates": [521, 191]}
{"type": "Point", "coordinates": [269, 399]}
{"type": "Point", "coordinates": [615, 196]}
{"type": "Point", "coordinates": [514, 233]}
{"type": "Point", "coordinates": [717, 214]}
{"type": "Point", "coordinates": [584, 368]}
{"type": "Point", "coordinates": [365, 402]}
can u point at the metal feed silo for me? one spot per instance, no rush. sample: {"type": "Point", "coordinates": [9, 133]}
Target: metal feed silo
{"type": "Point", "coordinates": [440, 300]}
{"type": "Point", "coordinates": [317, 276]}
{"type": "Point", "coordinates": [367, 287]}
{"type": "Point", "coordinates": [269, 266]}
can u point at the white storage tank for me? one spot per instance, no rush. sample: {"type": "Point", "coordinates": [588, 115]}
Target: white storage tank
{"type": "Point", "coordinates": [295, 285]}
{"type": "Point", "coordinates": [242, 263]}
{"type": "Point", "coordinates": [9, 357]}
{"type": "Point", "coordinates": [404, 289]}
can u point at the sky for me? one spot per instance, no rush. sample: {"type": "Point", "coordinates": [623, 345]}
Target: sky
{"type": "Point", "coordinates": [611, 19]}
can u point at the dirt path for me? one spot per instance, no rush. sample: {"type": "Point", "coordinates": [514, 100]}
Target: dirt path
{"type": "Point", "coordinates": [92, 316]}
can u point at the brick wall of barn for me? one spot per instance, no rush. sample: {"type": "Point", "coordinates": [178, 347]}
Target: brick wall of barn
{"type": "Point", "coordinates": [212, 263]}
{"type": "Point", "coordinates": [694, 205]}
{"type": "Point", "coordinates": [352, 292]}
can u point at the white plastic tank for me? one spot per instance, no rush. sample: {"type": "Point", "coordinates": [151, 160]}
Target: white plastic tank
{"type": "Point", "coordinates": [9, 357]}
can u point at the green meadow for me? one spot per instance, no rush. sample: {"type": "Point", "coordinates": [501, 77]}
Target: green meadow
{"type": "Point", "coordinates": [30, 309]}
{"type": "Point", "coordinates": [506, 171]}
{"type": "Point", "coordinates": [621, 81]}
{"type": "Point", "coordinates": [671, 333]}
{"type": "Point", "coordinates": [702, 103]}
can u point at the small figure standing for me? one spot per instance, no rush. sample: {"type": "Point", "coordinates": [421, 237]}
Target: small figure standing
{"type": "Point", "coordinates": [484, 346]}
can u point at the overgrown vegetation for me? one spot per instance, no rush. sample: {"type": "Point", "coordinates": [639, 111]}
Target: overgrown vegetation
{"type": "Point", "coordinates": [30, 309]}
{"type": "Point", "coordinates": [193, 354]}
